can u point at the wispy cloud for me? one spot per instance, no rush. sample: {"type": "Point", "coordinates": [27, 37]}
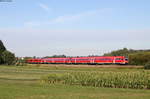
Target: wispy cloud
{"type": "Point", "coordinates": [61, 19]}
{"type": "Point", "coordinates": [67, 18]}
{"type": "Point", "coordinates": [44, 7]}
{"type": "Point", "coordinates": [78, 16]}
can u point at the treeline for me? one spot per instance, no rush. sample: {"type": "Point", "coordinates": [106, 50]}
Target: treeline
{"type": "Point", "coordinates": [64, 56]}
{"type": "Point", "coordinates": [6, 57]}
{"type": "Point", "coordinates": [136, 57]}
{"type": "Point", "coordinates": [56, 56]}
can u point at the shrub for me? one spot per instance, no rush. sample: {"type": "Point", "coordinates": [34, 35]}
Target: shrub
{"type": "Point", "coordinates": [147, 65]}
{"type": "Point", "coordinates": [139, 58]}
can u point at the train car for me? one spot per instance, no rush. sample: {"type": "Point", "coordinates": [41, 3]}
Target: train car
{"type": "Point", "coordinates": [81, 60]}
{"type": "Point", "coordinates": [109, 60]}
{"type": "Point", "coordinates": [56, 60]}
{"type": "Point", "coordinates": [34, 61]}
{"type": "Point", "coordinates": [104, 60]}
{"type": "Point", "coordinates": [120, 60]}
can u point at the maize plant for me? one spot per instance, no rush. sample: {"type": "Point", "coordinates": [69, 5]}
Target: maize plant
{"type": "Point", "coordinates": [137, 79]}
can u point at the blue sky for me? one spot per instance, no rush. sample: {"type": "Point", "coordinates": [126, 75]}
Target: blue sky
{"type": "Point", "coordinates": [74, 27]}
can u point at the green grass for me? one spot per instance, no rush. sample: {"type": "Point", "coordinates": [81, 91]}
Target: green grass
{"type": "Point", "coordinates": [24, 83]}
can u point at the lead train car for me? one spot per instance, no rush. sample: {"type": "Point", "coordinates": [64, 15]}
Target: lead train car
{"type": "Point", "coordinates": [81, 60]}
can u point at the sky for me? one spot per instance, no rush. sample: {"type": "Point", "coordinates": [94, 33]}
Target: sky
{"type": "Point", "coordinates": [74, 27]}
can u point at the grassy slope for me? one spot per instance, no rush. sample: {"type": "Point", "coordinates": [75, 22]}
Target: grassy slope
{"type": "Point", "coordinates": [23, 82]}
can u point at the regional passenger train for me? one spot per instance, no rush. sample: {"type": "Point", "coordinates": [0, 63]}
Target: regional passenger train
{"type": "Point", "coordinates": [81, 60]}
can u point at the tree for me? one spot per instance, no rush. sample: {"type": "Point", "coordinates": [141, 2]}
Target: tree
{"type": "Point", "coordinates": [8, 57]}
{"type": "Point", "coordinates": [139, 58]}
{"type": "Point", "coordinates": [56, 56]}
{"type": "Point", "coordinates": [120, 52]}
{"type": "Point", "coordinates": [2, 47]}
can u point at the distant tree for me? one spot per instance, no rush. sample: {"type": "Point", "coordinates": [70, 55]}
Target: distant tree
{"type": "Point", "coordinates": [34, 57]}
{"type": "Point", "coordinates": [8, 57]}
{"type": "Point", "coordinates": [120, 52]}
{"type": "Point", "coordinates": [124, 52]}
{"type": "Point", "coordinates": [26, 58]}
{"type": "Point", "coordinates": [56, 56]}
{"type": "Point", "coordinates": [93, 55]}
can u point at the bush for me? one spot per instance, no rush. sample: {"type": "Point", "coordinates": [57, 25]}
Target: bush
{"type": "Point", "coordinates": [139, 58]}
{"type": "Point", "coordinates": [147, 65]}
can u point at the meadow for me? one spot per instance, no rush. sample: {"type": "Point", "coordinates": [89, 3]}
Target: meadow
{"type": "Point", "coordinates": [24, 82]}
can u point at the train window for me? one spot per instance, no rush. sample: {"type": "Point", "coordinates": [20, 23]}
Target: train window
{"type": "Point", "coordinates": [108, 59]}
{"type": "Point", "coordinates": [118, 58]}
{"type": "Point", "coordinates": [66, 59]}
{"type": "Point", "coordinates": [83, 59]}
{"type": "Point", "coordinates": [72, 59]}
{"type": "Point", "coordinates": [48, 59]}
{"type": "Point", "coordinates": [104, 59]}
{"type": "Point", "coordinates": [58, 59]}
{"type": "Point", "coordinates": [78, 59]}
{"type": "Point", "coordinates": [99, 59]}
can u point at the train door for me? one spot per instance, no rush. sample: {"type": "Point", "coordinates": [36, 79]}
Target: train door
{"type": "Point", "coordinates": [92, 60]}
{"type": "Point", "coordinates": [119, 60]}
{"type": "Point", "coordinates": [114, 60]}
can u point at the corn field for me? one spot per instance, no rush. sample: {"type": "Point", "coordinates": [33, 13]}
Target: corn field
{"type": "Point", "coordinates": [137, 80]}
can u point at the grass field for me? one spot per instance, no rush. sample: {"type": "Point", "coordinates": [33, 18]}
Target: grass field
{"type": "Point", "coordinates": [24, 83]}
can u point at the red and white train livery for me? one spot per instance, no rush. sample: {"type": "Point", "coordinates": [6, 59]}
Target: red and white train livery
{"type": "Point", "coordinates": [81, 60]}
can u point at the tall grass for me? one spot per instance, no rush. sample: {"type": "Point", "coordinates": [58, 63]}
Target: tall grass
{"type": "Point", "coordinates": [138, 79]}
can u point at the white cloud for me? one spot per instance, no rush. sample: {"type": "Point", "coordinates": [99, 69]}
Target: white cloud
{"type": "Point", "coordinates": [68, 17]}
{"type": "Point", "coordinates": [79, 16]}
{"type": "Point", "coordinates": [44, 7]}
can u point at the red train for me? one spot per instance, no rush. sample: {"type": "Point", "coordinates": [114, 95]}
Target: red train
{"type": "Point", "coordinates": [81, 60]}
